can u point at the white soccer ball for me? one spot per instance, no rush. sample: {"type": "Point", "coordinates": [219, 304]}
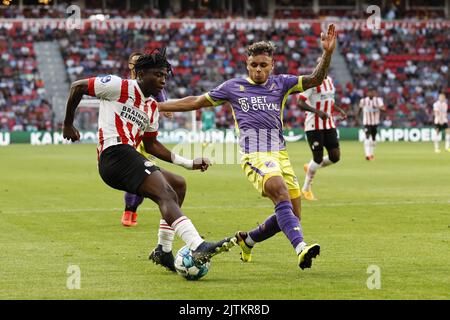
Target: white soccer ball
{"type": "Point", "coordinates": [184, 264]}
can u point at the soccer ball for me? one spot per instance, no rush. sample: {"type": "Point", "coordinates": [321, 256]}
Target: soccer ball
{"type": "Point", "coordinates": [184, 264]}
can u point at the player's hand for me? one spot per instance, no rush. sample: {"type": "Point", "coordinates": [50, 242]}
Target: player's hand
{"type": "Point", "coordinates": [343, 114]}
{"type": "Point", "coordinates": [71, 133]}
{"type": "Point", "coordinates": [329, 40]}
{"type": "Point", "coordinates": [322, 115]}
{"type": "Point", "coordinates": [168, 114]}
{"type": "Point", "coordinates": [201, 164]}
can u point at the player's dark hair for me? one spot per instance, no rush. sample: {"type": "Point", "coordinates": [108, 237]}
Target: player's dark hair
{"type": "Point", "coordinates": [153, 60]}
{"type": "Point", "coordinates": [261, 48]}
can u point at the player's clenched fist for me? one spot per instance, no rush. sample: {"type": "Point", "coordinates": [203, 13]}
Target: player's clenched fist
{"type": "Point", "coordinates": [71, 133]}
{"type": "Point", "coordinates": [201, 164]}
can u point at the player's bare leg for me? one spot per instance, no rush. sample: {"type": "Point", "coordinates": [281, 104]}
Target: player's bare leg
{"type": "Point", "coordinates": [156, 188]}
{"type": "Point", "coordinates": [162, 254]}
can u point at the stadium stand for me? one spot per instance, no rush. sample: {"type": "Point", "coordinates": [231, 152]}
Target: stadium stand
{"type": "Point", "coordinates": [395, 61]}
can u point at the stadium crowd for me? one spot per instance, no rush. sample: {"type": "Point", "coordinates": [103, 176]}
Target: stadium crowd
{"type": "Point", "coordinates": [396, 62]}
{"type": "Point", "coordinates": [23, 104]}
{"type": "Point", "coordinates": [219, 9]}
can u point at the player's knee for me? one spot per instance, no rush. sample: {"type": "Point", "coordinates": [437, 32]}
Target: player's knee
{"type": "Point", "coordinates": [167, 196]}
{"type": "Point", "coordinates": [318, 159]}
{"type": "Point", "coordinates": [180, 186]}
{"type": "Point", "coordinates": [334, 157]}
{"type": "Point", "coordinates": [275, 188]}
{"type": "Point", "coordinates": [318, 156]}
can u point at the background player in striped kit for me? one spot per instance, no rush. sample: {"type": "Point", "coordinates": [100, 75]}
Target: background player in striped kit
{"type": "Point", "coordinates": [440, 109]}
{"type": "Point", "coordinates": [320, 130]}
{"type": "Point", "coordinates": [371, 107]}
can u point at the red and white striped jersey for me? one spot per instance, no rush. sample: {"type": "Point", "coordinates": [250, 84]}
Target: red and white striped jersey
{"type": "Point", "coordinates": [125, 114]}
{"type": "Point", "coordinates": [440, 112]}
{"type": "Point", "coordinates": [320, 98]}
{"type": "Point", "coordinates": [371, 108]}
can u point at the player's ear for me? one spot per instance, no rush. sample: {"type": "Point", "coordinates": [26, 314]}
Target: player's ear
{"type": "Point", "coordinates": [139, 74]}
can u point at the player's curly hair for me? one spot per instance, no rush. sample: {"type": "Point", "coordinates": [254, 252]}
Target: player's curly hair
{"type": "Point", "coordinates": [154, 59]}
{"type": "Point", "coordinates": [261, 47]}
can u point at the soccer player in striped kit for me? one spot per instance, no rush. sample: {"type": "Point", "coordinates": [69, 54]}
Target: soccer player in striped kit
{"type": "Point", "coordinates": [371, 107]}
{"type": "Point", "coordinates": [128, 115]}
{"type": "Point", "coordinates": [320, 130]}
{"type": "Point", "coordinates": [257, 103]}
{"type": "Point", "coordinates": [162, 254]}
{"type": "Point", "coordinates": [440, 109]}
{"type": "Point", "coordinates": [132, 201]}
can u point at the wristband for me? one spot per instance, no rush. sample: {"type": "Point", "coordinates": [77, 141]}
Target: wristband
{"type": "Point", "coordinates": [183, 162]}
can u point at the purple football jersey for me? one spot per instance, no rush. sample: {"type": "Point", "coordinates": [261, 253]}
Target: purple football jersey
{"type": "Point", "coordinates": [162, 96]}
{"type": "Point", "coordinates": [258, 109]}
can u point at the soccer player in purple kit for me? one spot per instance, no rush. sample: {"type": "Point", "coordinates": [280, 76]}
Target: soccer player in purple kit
{"type": "Point", "coordinates": [257, 103]}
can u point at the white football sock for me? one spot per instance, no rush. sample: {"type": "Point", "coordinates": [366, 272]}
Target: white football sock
{"type": "Point", "coordinates": [249, 241]}
{"type": "Point", "coordinates": [372, 147]}
{"type": "Point", "coordinates": [326, 162]}
{"type": "Point", "coordinates": [436, 142]}
{"type": "Point", "coordinates": [300, 247]}
{"type": "Point", "coordinates": [312, 168]}
{"type": "Point", "coordinates": [165, 236]}
{"type": "Point", "coordinates": [186, 231]}
{"type": "Point", "coordinates": [367, 147]}
{"type": "Point", "coordinates": [447, 141]}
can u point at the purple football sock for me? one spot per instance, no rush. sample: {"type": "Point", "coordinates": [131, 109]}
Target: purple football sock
{"type": "Point", "coordinates": [132, 201]}
{"type": "Point", "coordinates": [288, 222]}
{"type": "Point", "coordinates": [265, 230]}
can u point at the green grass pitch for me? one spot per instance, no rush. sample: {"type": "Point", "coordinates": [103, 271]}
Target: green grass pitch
{"type": "Point", "coordinates": [393, 213]}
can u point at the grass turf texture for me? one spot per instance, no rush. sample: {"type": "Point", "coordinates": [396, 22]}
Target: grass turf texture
{"type": "Point", "coordinates": [393, 213]}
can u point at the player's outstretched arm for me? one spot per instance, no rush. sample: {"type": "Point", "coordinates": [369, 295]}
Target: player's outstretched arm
{"type": "Point", "coordinates": [77, 90]}
{"type": "Point", "coordinates": [328, 44]}
{"type": "Point", "coordinates": [341, 111]}
{"type": "Point", "coordinates": [185, 104]}
{"type": "Point", "coordinates": [306, 107]}
{"type": "Point", "coordinates": [157, 149]}
{"type": "Point", "coordinates": [358, 114]}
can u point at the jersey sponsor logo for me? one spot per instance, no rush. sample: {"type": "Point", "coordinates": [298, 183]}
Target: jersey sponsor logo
{"type": "Point", "coordinates": [105, 79]}
{"type": "Point", "coordinates": [136, 116]}
{"type": "Point", "coordinates": [243, 102]}
{"type": "Point", "coordinates": [258, 103]}
{"type": "Point", "coordinates": [270, 164]}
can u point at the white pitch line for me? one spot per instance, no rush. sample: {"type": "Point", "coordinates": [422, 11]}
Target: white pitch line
{"type": "Point", "coordinates": [314, 205]}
